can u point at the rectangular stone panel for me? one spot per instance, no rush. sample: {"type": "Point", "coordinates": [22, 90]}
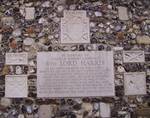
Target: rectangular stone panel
{"type": "Point", "coordinates": [123, 13]}
{"type": "Point", "coordinates": [133, 56]}
{"type": "Point", "coordinates": [16, 86]}
{"type": "Point", "coordinates": [17, 58]}
{"type": "Point", "coordinates": [75, 74]}
{"type": "Point", "coordinates": [75, 27]}
{"type": "Point", "coordinates": [29, 13]}
{"type": "Point", "coordinates": [135, 83]}
{"type": "Point", "coordinates": [45, 111]}
{"type": "Point", "coordinates": [105, 110]}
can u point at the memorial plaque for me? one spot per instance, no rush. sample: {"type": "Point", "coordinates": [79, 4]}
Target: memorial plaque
{"type": "Point", "coordinates": [17, 58]}
{"type": "Point", "coordinates": [75, 74]}
{"type": "Point", "coordinates": [75, 27]}
{"type": "Point", "coordinates": [16, 86]}
{"type": "Point", "coordinates": [135, 83]}
{"type": "Point", "coordinates": [133, 56]}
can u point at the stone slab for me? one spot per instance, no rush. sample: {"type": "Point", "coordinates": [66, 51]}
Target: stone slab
{"type": "Point", "coordinates": [29, 13]}
{"type": "Point", "coordinates": [123, 13]}
{"type": "Point", "coordinates": [75, 27]}
{"type": "Point", "coordinates": [16, 86]}
{"type": "Point", "coordinates": [135, 83]}
{"type": "Point", "coordinates": [17, 58]}
{"type": "Point", "coordinates": [133, 56]}
{"type": "Point", "coordinates": [75, 74]}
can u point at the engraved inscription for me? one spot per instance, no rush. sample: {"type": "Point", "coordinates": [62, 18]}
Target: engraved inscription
{"type": "Point", "coordinates": [74, 74]}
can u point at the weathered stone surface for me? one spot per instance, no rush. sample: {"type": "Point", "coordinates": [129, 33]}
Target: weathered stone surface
{"type": "Point", "coordinates": [75, 27]}
{"type": "Point", "coordinates": [35, 26]}
{"type": "Point", "coordinates": [82, 74]}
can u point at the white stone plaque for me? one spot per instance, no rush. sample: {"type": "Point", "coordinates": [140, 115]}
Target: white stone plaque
{"type": "Point", "coordinates": [75, 74]}
{"type": "Point", "coordinates": [45, 111]}
{"type": "Point", "coordinates": [29, 13]}
{"type": "Point", "coordinates": [135, 83]}
{"type": "Point", "coordinates": [17, 58]}
{"type": "Point", "coordinates": [75, 27]}
{"type": "Point", "coordinates": [16, 86]}
{"type": "Point", "coordinates": [123, 13]}
{"type": "Point", "coordinates": [105, 110]}
{"type": "Point", "coordinates": [133, 56]}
